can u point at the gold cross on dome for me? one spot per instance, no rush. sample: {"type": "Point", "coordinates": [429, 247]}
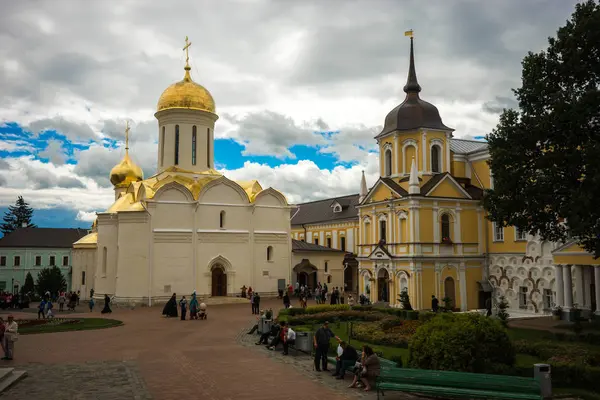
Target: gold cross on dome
{"type": "Point", "coordinates": [126, 135]}
{"type": "Point", "coordinates": [186, 49]}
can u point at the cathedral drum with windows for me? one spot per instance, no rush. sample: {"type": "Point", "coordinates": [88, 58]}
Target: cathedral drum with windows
{"type": "Point", "coordinates": [187, 228]}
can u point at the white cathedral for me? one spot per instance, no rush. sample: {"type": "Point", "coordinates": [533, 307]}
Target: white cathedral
{"type": "Point", "coordinates": [187, 228]}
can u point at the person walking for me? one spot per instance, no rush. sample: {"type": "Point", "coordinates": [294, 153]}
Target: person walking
{"type": "Point", "coordinates": [183, 305]}
{"type": "Point", "coordinates": [256, 303]}
{"type": "Point", "coordinates": [62, 299]}
{"type": "Point", "coordinates": [11, 334]}
{"type": "Point", "coordinates": [91, 304]}
{"type": "Point", "coordinates": [435, 303]}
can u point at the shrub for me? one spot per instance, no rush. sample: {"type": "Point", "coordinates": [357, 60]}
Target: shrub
{"type": "Point", "coordinates": [426, 316]}
{"type": "Point", "coordinates": [334, 316]}
{"type": "Point", "coordinates": [461, 342]}
{"type": "Point", "coordinates": [404, 299]}
{"type": "Point", "coordinates": [502, 314]}
{"type": "Point", "coordinates": [387, 332]}
{"type": "Point", "coordinates": [560, 352]}
{"type": "Point", "coordinates": [314, 309]}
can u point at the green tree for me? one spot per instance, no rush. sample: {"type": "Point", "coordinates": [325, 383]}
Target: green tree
{"type": "Point", "coordinates": [50, 280]}
{"type": "Point", "coordinates": [544, 155]}
{"type": "Point", "coordinates": [404, 300]}
{"type": "Point", "coordinates": [502, 313]}
{"type": "Point", "coordinates": [28, 286]}
{"type": "Point", "coordinates": [16, 216]}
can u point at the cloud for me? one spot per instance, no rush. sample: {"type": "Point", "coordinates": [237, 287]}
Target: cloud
{"type": "Point", "coordinates": [73, 130]}
{"type": "Point", "coordinates": [54, 152]}
{"type": "Point", "coordinates": [13, 146]}
{"type": "Point", "coordinates": [86, 216]}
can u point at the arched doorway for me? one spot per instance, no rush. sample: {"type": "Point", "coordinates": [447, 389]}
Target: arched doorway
{"type": "Point", "coordinates": [306, 273]}
{"type": "Point", "coordinates": [219, 281]}
{"type": "Point", "coordinates": [383, 277]}
{"type": "Point", "coordinates": [450, 291]}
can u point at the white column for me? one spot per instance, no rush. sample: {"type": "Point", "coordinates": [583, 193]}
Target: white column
{"type": "Point", "coordinates": [448, 136]}
{"type": "Point", "coordinates": [567, 287]}
{"type": "Point", "coordinates": [579, 286]}
{"type": "Point", "coordinates": [587, 293]}
{"type": "Point", "coordinates": [560, 297]}
{"type": "Point", "coordinates": [395, 165]}
{"type": "Point", "coordinates": [462, 281]}
{"type": "Point", "coordinates": [597, 284]}
{"type": "Point", "coordinates": [425, 168]}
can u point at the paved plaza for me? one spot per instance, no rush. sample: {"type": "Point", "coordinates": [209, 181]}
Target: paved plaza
{"type": "Point", "coordinates": [152, 357]}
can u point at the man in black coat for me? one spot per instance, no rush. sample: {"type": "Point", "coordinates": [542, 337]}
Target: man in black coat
{"type": "Point", "coordinates": [347, 359]}
{"type": "Point", "coordinates": [321, 343]}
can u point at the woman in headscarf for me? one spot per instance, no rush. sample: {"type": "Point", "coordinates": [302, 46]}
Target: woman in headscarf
{"type": "Point", "coordinates": [106, 308]}
{"type": "Point", "coordinates": [194, 307]}
{"type": "Point", "coordinates": [170, 309]}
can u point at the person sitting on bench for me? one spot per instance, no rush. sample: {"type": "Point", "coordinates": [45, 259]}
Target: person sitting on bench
{"type": "Point", "coordinates": [346, 359]}
{"type": "Point", "coordinates": [286, 336]}
{"type": "Point", "coordinates": [264, 338]}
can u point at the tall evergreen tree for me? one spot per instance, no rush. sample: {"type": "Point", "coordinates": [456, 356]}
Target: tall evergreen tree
{"type": "Point", "coordinates": [50, 280]}
{"type": "Point", "coordinates": [28, 286]}
{"type": "Point", "coordinates": [16, 216]}
{"type": "Point", "coordinates": [544, 156]}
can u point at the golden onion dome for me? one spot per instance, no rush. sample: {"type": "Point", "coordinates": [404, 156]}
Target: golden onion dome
{"type": "Point", "coordinates": [186, 94]}
{"type": "Point", "coordinates": [126, 172]}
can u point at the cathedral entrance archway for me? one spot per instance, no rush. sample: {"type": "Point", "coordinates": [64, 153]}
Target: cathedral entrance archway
{"type": "Point", "coordinates": [306, 273]}
{"type": "Point", "coordinates": [383, 278]}
{"type": "Point", "coordinates": [219, 281]}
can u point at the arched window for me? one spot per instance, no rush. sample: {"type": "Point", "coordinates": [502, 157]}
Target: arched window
{"type": "Point", "coordinates": [222, 219]}
{"type": "Point", "coordinates": [326, 266]}
{"type": "Point", "coordinates": [162, 147]}
{"type": "Point", "coordinates": [329, 279]}
{"type": "Point", "coordinates": [176, 145]}
{"type": "Point", "coordinates": [388, 162]}
{"type": "Point", "coordinates": [445, 227]}
{"type": "Point", "coordinates": [435, 159]}
{"type": "Point", "coordinates": [270, 253]}
{"type": "Point", "coordinates": [104, 261]}
{"type": "Point", "coordinates": [382, 230]}
{"type": "Point", "coordinates": [194, 145]}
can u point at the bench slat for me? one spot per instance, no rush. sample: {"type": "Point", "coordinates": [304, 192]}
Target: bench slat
{"type": "Point", "coordinates": [454, 392]}
{"type": "Point", "coordinates": [459, 380]}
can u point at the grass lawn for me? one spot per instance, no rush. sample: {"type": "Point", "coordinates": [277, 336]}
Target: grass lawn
{"type": "Point", "coordinates": [28, 327]}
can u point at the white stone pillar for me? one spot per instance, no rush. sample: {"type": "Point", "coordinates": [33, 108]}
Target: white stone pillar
{"type": "Point", "coordinates": [448, 164]}
{"type": "Point", "coordinates": [587, 281]}
{"type": "Point", "coordinates": [559, 283]}
{"type": "Point", "coordinates": [396, 158]}
{"type": "Point", "coordinates": [462, 281]}
{"type": "Point", "coordinates": [579, 286]}
{"type": "Point", "coordinates": [567, 287]}
{"type": "Point", "coordinates": [597, 284]}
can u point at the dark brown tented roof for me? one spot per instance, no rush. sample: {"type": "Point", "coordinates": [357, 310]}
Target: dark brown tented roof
{"type": "Point", "coordinates": [435, 179]}
{"type": "Point", "coordinates": [322, 210]}
{"type": "Point", "coordinates": [43, 237]}
{"type": "Point", "coordinates": [298, 245]}
{"type": "Point", "coordinates": [394, 186]}
{"type": "Point", "coordinates": [413, 113]}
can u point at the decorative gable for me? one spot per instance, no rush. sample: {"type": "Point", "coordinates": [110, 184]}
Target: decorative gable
{"type": "Point", "coordinates": [380, 253]}
{"type": "Point", "coordinates": [447, 186]}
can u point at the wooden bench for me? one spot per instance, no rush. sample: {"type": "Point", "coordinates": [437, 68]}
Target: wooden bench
{"type": "Point", "coordinates": [457, 384]}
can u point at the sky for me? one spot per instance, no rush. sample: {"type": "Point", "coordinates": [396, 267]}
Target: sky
{"type": "Point", "coordinates": [301, 87]}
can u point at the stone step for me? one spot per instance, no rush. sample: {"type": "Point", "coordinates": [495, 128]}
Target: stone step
{"type": "Point", "coordinates": [8, 377]}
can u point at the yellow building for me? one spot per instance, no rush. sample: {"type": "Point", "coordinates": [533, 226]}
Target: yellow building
{"type": "Point", "coordinates": [422, 227]}
{"type": "Point", "coordinates": [332, 224]}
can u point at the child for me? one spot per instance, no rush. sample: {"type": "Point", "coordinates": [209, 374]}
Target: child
{"type": "Point", "coordinates": [49, 313]}
{"type": "Point", "coordinates": [91, 304]}
{"type": "Point", "coordinates": [42, 309]}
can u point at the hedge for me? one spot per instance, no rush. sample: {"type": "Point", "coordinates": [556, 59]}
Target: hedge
{"type": "Point", "coordinates": [563, 353]}
{"type": "Point", "coordinates": [314, 309]}
{"type": "Point", "coordinates": [335, 316]}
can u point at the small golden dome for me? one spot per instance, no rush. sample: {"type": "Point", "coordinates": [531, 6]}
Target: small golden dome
{"type": "Point", "coordinates": [186, 94]}
{"type": "Point", "coordinates": [126, 172]}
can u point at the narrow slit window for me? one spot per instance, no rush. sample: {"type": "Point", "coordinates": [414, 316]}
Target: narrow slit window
{"type": "Point", "coordinates": [162, 147]}
{"type": "Point", "coordinates": [222, 219]}
{"type": "Point", "coordinates": [208, 147]}
{"type": "Point", "coordinates": [194, 145]}
{"type": "Point", "coordinates": [176, 145]}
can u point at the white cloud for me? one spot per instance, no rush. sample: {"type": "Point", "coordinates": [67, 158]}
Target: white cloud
{"type": "Point", "coordinates": [286, 70]}
{"type": "Point", "coordinates": [86, 216]}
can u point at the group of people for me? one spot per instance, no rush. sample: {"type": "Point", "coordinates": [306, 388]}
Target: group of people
{"type": "Point", "coordinates": [282, 333]}
{"type": "Point", "coordinates": [366, 370]}
{"type": "Point", "coordinates": [320, 295]}
{"type": "Point", "coordinates": [9, 333]}
{"type": "Point", "coordinates": [14, 300]}
{"type": "Point", "coordinates": [197, 310]}
{"type": "Point", "coordinates": [72, 297]}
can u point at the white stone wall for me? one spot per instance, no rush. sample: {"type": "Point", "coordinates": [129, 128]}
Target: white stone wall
{"type": "Point", "coordinates": [534, 270]}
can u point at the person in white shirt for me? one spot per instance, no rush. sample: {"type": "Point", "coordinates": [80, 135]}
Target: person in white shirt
{"type": "Point", "coordinates": [11, 334]}
{"type": "Point", "coordinates": [290, 338]}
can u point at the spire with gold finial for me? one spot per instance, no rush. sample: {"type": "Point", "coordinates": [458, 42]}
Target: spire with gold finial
{"type": "Point", "coordinates": [412, 85]}
{"type": "Point", "coordinates": [126, 172]}
{"type": "Point", "coordinates": [363, 187]}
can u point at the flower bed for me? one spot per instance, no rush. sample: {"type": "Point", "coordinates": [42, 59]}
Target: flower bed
{"type": "Point", "coordinates": [387, 332]}
{"type": "Point", "coordinates": [314, 309]}
{"type": "Point", "coordinates": [31, 326]}
{"type": "Point", "coordinates": [334, 316]}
